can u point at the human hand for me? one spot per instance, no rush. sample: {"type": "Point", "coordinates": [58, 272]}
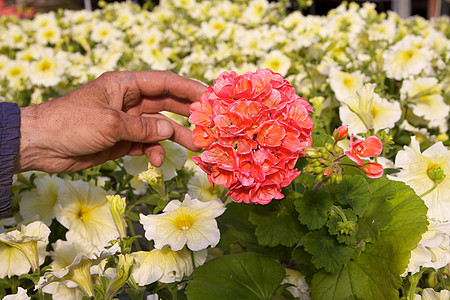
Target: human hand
{"type": "Point", "coordinates": [114, 115]}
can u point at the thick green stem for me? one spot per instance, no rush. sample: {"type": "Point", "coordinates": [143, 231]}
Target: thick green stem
{"type": "Point", "coordinates": [341, 214]}
{"type": "Point", "coordinates": [414, 280]}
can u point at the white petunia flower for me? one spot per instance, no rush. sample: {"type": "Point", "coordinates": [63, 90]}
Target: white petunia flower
{"type": "Point", "coordinates": [71, 264]}
{"type": "Point", "coordinates": [84, 210]}
{"type": "Point", "coordinates": [361, 105]}
{"type": "Point", "coordinates": [431, 294]}
{"type": "Point", "coordinates": [103, 32]}
{"type": "Point", "coordinates": [191, 222]}
{"type": "Point", "coordinates": [200, 188]}
{"type": "Point", "coordinates": [276, 61]}
{"type": "Point", "coordinates": [406, 58]}
{"type": "Point", "coordinates": [41, 200]}
{"type": "Point", "coordinates": [31, 240]}
{"type": "Point", "coordinates": [20, 295]}
{"type": "Point", "coordinates": [426, 100]}
{"type": "Point", "coordinates": [345, 84]}
{"type": "Point", "coordinates": [15, 72]}
{"type": "Point", "coordinates": [165, 265]}
{"type": "Point", "coordinates": [433, 250]}
{"type": "Point", "coordinates": [14, 262]}
{"type": "Point", "coordinates": [428, 173]}
{"type": "Point", "coordinates": [384, 31]}
{"type": "Point", "coordinates": [48, 69]}
{"type": "Point", "coordinates": [48, 35]}
{"type": "Point", "coordinates": [256, 10]}
{"type": "Point", "coordinates": [384, 115]}
{"type": "Point", "coordinates": [175, 158]}
{"type": "Point", "coordinates": [300, 290]}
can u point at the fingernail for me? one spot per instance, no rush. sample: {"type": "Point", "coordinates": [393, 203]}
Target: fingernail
{"type": "Point", "coordinates": [164, 128]}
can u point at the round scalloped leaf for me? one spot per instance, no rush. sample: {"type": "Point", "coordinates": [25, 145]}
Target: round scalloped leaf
{"type": "Point", "coordinates": [277, 223]}
{"type": "Point", "coordinates": [239, 276]}
{"type": "Point", "coordinates": [375, 273]}
{"type": "Point", "coordinates": [354, 191]}
{"type": "Point", "coordinates": [313, 208]}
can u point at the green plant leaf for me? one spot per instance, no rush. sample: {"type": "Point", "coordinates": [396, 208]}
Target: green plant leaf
{"type": "Point", "coordinates": [238, 276]}
{"type": "Point", "coordinates": [375, 273]}
{"type": "Point", "coordinates": [327, 252]}
{"type": "Point", "coordinates": [353, 191]}
{"type": "Point", "coordinates": [378, 213]}
{"type": "Point", "coordinates": [277, 223]}
{"type": "Point", "coordinates": [319, 140]}
{"type": "Point", "coordinates": [313, 208]}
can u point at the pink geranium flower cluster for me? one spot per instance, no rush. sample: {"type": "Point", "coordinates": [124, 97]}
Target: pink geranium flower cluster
{"type": "Point", "coordinates": [253, 128]}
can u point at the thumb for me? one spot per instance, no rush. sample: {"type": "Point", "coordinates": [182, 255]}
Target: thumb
{"type": "Point", "coordinates": [144, 129]}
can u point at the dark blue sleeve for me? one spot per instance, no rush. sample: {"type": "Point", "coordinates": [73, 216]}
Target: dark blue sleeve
{"type": "Point", "coordinates": [9, 147]}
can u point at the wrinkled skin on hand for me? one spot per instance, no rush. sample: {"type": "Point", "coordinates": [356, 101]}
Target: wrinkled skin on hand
{"type": "Point", "coordinates": [114, 115]}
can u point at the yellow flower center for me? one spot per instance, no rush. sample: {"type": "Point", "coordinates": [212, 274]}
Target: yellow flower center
{"type": "Point", "coordinates": [15, 72]}
{"type": "Point", "coordinates": [406, 55]}
{"type": "Point", "coordinates": [49, 34]}
{"type": "Point", "coordinates": [45, 65]}
{"type": "Point", "coordinates": [184, 221]}
{"type": "Point", "coordinates": [347, 82]}
{"type": "Point", "coordinates": [373, 111]}
{"type": "Point", "coordinates": [83, 213]}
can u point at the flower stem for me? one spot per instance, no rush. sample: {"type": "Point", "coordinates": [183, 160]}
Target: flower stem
{"type": "Point", "coordinates": [430, 190]}
{"type": "Point", "coordinates": [414, 280]}
{"type": "Point", "coordinates": [341, 214]}
{"type": "Point", "coordinates": [130, 226]}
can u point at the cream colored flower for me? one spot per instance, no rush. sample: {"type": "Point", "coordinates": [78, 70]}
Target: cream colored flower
{"type": "Point", "coordinates": [71, 264]}
{"type": "Point", "coordinates": [165, 265]}
{"type": "Point", "coordinates": [431, 294]}
{"type": "Point", "coordinates": [16, 72]}
{"type": "Point", "coordinates": [14, 261]}
{"type": "Point", "coordinates": [256, 10]}
{"type": "Point", "coordinates": [48, 69]}
{"type": "Point", "coordinates": [41, 200]}
{"type": "Point", "coordinates": [103, 32]}
{"type": "Point", "coordinates": [29, 239]}
{"type": "Point", "coordinates": [175, 158]}
{"type": "Point", "coordinates": [433, 251]}
{"type": "Point", "coordinates": [300, 290]}
{"type": "Point", "coordinates": [276, 61]}
{"type": "Point", "coordinates": [424, 96]}
{"type": "Point", "coordinates": [200, 188]}
{"type": "Point", "coordinates": [428, 173]}
{"type": "Point", "coordinates": [406, 58]}
{"type": "Point", "coordinates": [190, 223]}
{"type": "Point", "coordinates": [345, 84]}
{"type": "Point", "coordinates": [48, 35]}
{"type": "Point", "coordinates": [361, 104]}
{"type": "Point", "coordinates": [384, 115]}
{"type": "Point", "coordinates": [84, 210]}
{"type": "Point", "coordinates": [20, 295]}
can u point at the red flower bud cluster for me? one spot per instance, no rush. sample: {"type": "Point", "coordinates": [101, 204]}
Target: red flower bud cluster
{"type": "Point", "coordinates": [253, 128]}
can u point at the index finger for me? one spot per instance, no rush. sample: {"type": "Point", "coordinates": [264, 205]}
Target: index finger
{"type": "Point", "coordinates": [158, 83]}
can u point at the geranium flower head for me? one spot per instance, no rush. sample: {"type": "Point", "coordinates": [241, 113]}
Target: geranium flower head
{"type": "Point", "coordinates": [253, 128]}
{"type": "Point", "coordinates": [369, 147]}
{"type": "Point", "coordinates": [191, 222]}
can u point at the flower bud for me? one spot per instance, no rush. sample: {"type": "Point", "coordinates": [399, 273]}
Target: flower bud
{"type": "Point", "coordinates": [318, 170]}
{"type": "Point", "coordinates": [340, 133]}
{"type": "Point", "coordinates": [329, 147]}
{"type": "Point", "coordinates": [117, 207]}
{"type": "Point", "coordinates": [311, 152]}
{"type": "Point", "coordinates": [372, 170]}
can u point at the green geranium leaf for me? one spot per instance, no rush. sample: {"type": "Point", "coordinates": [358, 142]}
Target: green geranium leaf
{"type": "Point", "coordinates": [378, 213]}
{"type": "Point", "coordinates": [238, 276]}
{"type": "Point", "coordinates": [375, 273]}
{"type": "Point", "coordinates": [346, 233]}
{"type": "Point", "coordinates": [319, 140]}
{"type": "Point", "coordinates": [235, 227]}
{"type": "Point", "coordinates": [277, 223]}
{"type": "Point", "coordinates": [327, 252]}
{"type": "Point", "coordinates": [353, 191]}
{"type": "Point", "coordinates": [313, 208]}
